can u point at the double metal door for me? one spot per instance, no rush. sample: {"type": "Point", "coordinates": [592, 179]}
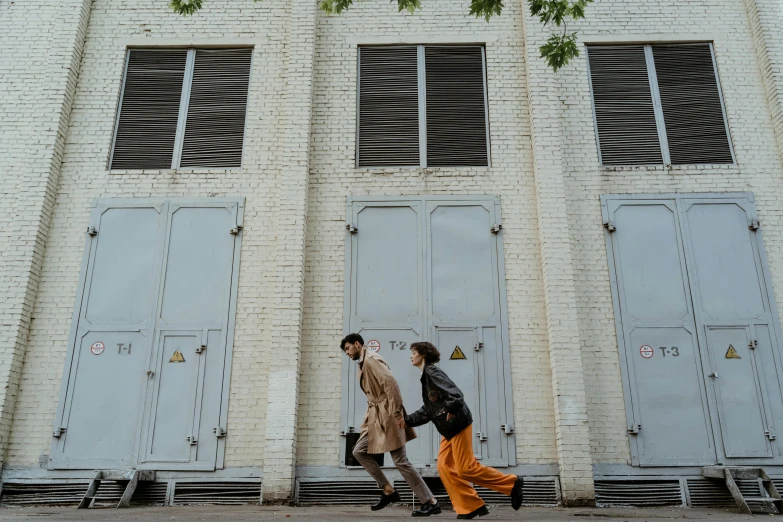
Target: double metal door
{"type": "Point", "coordinates": [143, 384]}
{"type": "Point", "coordinates": [430, 269]}
{"type": "Point", "coordinates": [697, 329]}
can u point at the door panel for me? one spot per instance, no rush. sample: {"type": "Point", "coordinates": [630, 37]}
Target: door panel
{"type": "Point", "coordinates": [739, 402]}
{"type": "Point", "coordinates": [103, 385]}
{"type": "Point", "coordinates": [668, 395]}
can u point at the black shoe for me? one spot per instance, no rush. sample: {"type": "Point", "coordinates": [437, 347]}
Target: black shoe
{"type": "Point", "coordinates": [480, 512]}
{"type": "Point", "coordinates": [427, 509]}
{"type": "Point", "coordinates": [385, 500]}
{"type": "Point", "coordinates": [516, 494]}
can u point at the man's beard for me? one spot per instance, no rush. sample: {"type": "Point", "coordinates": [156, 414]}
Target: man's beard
{"type": "Point", "coordinates": [357, 356]}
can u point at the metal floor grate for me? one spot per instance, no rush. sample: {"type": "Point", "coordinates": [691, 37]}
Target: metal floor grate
{"type": "Point", "coordinates": [638, 493]}
{"type": "Point", "coordinates": [349, 492]}
{"type": "Point", "coordinates": [217, 493]}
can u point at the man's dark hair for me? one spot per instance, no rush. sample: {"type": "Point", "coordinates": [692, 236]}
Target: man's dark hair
{"type": "Point", "coordinates": [351, 338]}
{"type": "Point", "coordinates": [428, 351]}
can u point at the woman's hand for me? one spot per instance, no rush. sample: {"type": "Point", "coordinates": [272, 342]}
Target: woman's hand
{"type": "Point", "coordinates": [449, 416]}
{"type": "Point", "coordinates": [401, 424]}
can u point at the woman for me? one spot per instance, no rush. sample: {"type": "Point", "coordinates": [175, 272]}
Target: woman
{"type": "Point", "coordinates": [445, 406]}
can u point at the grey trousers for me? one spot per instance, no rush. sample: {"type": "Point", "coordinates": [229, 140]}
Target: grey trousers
{"type": "Point", "coordinates": [402, 464]}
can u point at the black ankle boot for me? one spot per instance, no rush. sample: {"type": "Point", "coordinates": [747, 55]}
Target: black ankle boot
{"type": "Point", "coordinates": [480, 512]}
{"type": "Point", "coordinates": [427, 509]}
{"type": "Point", "coordinates": [385, 500]}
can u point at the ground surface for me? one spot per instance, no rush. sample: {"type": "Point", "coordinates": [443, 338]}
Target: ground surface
{"type": "Point", "coordinates": [356, 514]}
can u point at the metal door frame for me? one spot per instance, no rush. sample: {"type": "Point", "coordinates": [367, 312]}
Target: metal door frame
{"type": "Point", "coordinates": [100, 206]}
{"type": "Point", "coordinates": [492, 203]}
{"type": "Point", "coordinates": [768, 296]}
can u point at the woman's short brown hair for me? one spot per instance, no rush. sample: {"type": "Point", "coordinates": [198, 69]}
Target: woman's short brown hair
{"type": "Point", "coordinates": [428, 351]}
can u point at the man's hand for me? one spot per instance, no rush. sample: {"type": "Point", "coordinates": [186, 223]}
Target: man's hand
{"type": "Point", "coordinates": [449, 416]}
{"type": "Point", "coordinates": [401, 424]}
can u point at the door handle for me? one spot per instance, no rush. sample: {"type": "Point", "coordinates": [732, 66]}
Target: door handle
{"type": "Point", "coordinates": [150, 374]}
{"type": "Point", "coordinates": [714, 375]}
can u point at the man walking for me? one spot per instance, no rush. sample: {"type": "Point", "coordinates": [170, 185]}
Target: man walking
{"type": "Point", "coordinates": [383, 428]}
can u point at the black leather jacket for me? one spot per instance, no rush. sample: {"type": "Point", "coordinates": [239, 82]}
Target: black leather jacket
{"type": "Point", "coordinates": [440, 396]}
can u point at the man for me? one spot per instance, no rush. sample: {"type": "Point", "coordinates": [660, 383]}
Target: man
{"type": "Point", "coordinates": [383, 428]}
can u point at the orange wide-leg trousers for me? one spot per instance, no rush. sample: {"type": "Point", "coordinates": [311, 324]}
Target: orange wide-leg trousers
{"type": "Point", "coordinates": [459, 469]}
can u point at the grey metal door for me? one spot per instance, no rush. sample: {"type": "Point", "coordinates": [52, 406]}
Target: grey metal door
{"type": "Point", "coordinates": [732, 301]}
{"type": "Point", "coordinates": [103, 381]}
{"type": "Point", "coordinates": [159, 277]}
{"type": "Point", "coordinates": [696, 327]}
{"type": "Point", "coordinates": [430, 268]}
{"type": "Point", "coordinates": [385, 304]}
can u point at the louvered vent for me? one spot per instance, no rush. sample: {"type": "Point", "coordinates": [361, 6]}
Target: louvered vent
{"type": "Point", "coordinates": [691, 104]}
{"type": "Point", "coordinates": [388, 107]}
{"type": "Point", "coordinates": [456, 116]}
{"type": "Point", "coordinates": [150, 494]}
{"type": "Point", "coordinates": [215, 125]}
{"type": "Point", "coordinates": [147, 125]}
{"type": "Point", "coordinates": [624, 113]}
{"type": "Point", "coordinates": [55, 494]}
{"type": "Point", "coordinates": [710, 493]}
{"type": "Point", "coordinates": [638, 493]}
{"type": "Point", "coordinates": [536, 492]}
{"type": "Point", "coordinates": [217, 493]}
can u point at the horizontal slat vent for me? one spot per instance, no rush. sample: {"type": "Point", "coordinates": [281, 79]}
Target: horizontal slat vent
{"type": "Point", "coordinates": [456, 116]}
{"type": "Point", "coordinates": [215, 126]}
{"type": "Point", "coordinates": [388, 107]}
{"type": "Point", "coordinates": [638, 493]}
{"type": "Point", "coordinates": [709, 493]}
{"type": "Point", "coordinates": [624, 113]}
{"type": "Point", "coordinates": [536, 492]}
{"type": "Point", "coordinates": [43, 494]}
{"type": "Point", "coordinates": [147, 125]}
{"type": "Point", "coordinates": [217, 493]}
{"type": "Point", "coordinates": [691, 103]}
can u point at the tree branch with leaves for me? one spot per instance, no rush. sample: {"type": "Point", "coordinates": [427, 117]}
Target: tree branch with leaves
{"type": "Point", "coordinates": [559, 49]}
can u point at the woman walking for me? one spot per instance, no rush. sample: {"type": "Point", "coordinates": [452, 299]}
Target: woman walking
{"type": "Point", "coordinates": [445, 406]}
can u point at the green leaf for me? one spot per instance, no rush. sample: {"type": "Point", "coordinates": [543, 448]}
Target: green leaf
{"type": "Point", "coordinates": [334, 6]}
{"type": "Point", "coordinates": [486, 9]}
{"type": "Point", "coordinates": [559, 50]}
{"type": "Point", "coordinates": [408, 5]}
{"type": "Point", "coordinates": [186, 7]}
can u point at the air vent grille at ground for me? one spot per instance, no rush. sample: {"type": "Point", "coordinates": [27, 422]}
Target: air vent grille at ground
{"type": "Point", "coordinates": [51, 494]}
{"type": "Point", "coordinates": [710, 493]}
{"type": "Point", "coordinates": [638, 493]}
{"type": "Point", "coordinates": [217, 493]}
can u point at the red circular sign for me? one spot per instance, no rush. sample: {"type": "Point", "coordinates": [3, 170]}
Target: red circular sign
{"type": "Point", "coordinates": [646, 351]}
{"type": "Point", "coordinates": [374, 346]}
{"type": "Point", "coordinates": [97, 348]}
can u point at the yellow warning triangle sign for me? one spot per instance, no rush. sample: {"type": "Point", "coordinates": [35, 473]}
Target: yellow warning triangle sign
{"type": "Point", "coordinates": [457, 354]}
{"type": "Point", "coordinates": [177, 357]}
{"type": "Point", "coordinates": [731, 353]}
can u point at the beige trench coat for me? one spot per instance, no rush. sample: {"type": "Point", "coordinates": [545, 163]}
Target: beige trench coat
{"type": "Point", "coordinates": [384, 405]}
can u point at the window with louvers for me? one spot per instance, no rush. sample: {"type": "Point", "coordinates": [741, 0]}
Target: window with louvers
{"type": "Point", "coordinates": [658, 104]}
{"type": "Point", "coordinates": [160, 128]}
{"type": "Point", "coordinates": [422, 106]}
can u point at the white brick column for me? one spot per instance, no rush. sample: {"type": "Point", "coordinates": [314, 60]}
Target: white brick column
{"type": "Point", "coordinates": [568, 384]}
{"type": "Point", "coordinates": [766, 23]}
{"type": "Point", "coordinates": [41, 43]}
{"type": "Point", "coordinates": [283, 394]}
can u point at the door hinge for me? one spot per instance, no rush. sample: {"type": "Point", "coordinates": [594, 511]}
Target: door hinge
{"type": "Point", "coordinates": [610, 226]}
{"type": "Point", "coordinates": [770, 435]}
{"type": "Point", "coordinates": [755, 224]}
{"type": "Point", "coordinates": [497, 227]}
{"type": "Point", "coordinates": [478, 346]}
{"type": "Point", "coordinates": [351, 228]}
{"type": "Point", "coordinates": [635, 429]}
{"type": "Point", "coordinates": [192, 439]}
{"type": "Point", "coordinates": [236, 230]}
{"type": "Point", "coordinates": [480, 436]}
{"type": "Point", "coordinates": [150, 374]}
{"type": "Point", "coordinates": [219, 432]}
{"type": "Point", "coordinates": [714, 375]}
{"type": "Point", "coordinates": [57, 433]}
{"type": "Point", "coordinates": [753, 344]}
{"type": "Point", "coordinates": [508, 429]}
{"type": "Point", "coordinates": [201, 348]}
{"type": "Point", "coordinates": [92, 231]}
